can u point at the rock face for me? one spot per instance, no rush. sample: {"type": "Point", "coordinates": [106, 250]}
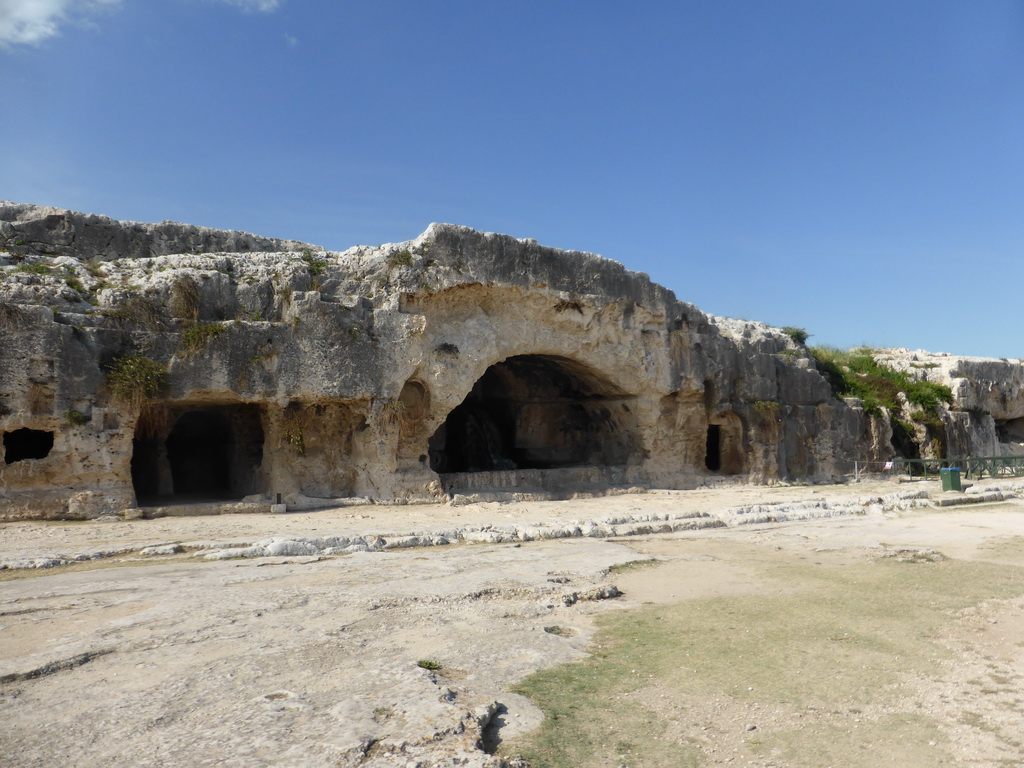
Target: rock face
{"type": "Point", "coordinates": [57, 232]}
{"type": "Point", "coordinates": [989, 396]}
{"type": "Point", "coordinates": [165, 365]}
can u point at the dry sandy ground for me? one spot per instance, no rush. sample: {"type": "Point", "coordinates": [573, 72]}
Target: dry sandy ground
{"type": "Point", "coordinates": [315, 661]}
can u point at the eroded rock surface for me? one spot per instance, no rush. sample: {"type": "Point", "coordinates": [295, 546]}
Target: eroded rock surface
{"type": "Point", "coordinates": [167, 366]}
{"type": "Point", "coordinates": [303, 663]}
{"type": "Point", "coordinates": [989, 394]}
{"type": "Point", "coordinates": [406, 656]}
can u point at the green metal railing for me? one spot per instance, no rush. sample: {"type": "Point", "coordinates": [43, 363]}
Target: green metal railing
{"type": "Point", "coordinates": [975, 466]}
{"type": "Point", "coordinates": [994, 466]}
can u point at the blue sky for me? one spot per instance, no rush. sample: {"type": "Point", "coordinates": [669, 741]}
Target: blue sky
{"type": "Point", "coordinates": [853, 168]}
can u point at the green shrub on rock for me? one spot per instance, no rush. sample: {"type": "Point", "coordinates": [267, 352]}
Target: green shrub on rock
{"type": "Point", "coordinates": [134, 379]}
{"type": "Point", "coordinates": [195, 338]}
{"type": "Point", "coordinates": [798, 335]}
{"type": "Point", "coordinates": [856, 373]}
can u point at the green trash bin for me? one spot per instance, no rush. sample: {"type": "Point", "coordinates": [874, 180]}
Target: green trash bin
{"type": "Point", "coordinates": [950, 477]}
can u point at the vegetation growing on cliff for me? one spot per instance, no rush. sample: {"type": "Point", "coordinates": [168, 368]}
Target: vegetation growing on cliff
{"type": "Point", "coordinates": [293, 429]}
{"type": "Point", "coordinates": [856, 373]}
{"type": "Point", "coordinates": [402, 258]}
{"type": "Point", "coordinates": [73, 282]}
{"type": "Point", "coordinates": [195, 338]}
{"type": "Point", "coordinates": [316, 267]}
{"type": "Point", "coordinates": [34, 268]}
{"type": "Point", "coordinates": [185, 297]}
{"type": "Point", "coordinates": [798, 335]}
{"type": "Point", "coordinates": [75, 418]}
{"type": "Point", "coordinates": [393, 411]}
{"type": "Point", "coordinates": [11, 317]}
{"type": "Point", "coordinates": [134, 379]}
{"type": "Point", "coordinates": [138, 310]}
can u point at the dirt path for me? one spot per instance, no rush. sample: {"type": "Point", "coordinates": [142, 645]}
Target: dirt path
{"type": "Point", "coordinates": [308, 661]}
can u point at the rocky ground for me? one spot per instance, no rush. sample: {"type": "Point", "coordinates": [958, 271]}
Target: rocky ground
{"type": "Point", "coordinates": [384, 636]}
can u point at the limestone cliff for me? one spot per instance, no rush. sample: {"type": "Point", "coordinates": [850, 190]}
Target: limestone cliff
{"type": "Point", "coordinates": [988, 414]}
{"type": "Point", "coordinates": [166, 364]}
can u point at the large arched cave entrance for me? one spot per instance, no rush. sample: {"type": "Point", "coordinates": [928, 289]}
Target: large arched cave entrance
{"type": "Point", "coordinates": [537, 412]}
{"type": "Point", "coordinates": [198, 453]}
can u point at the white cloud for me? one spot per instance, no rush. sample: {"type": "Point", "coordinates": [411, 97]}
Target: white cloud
{"type": "Point", "coordinates": [260, 6]}
{"type": "Point", "coordinates": [30, 22]}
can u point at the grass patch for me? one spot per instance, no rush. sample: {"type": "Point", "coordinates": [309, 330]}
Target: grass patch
{"type": "Point", "coordinates": [429, 664]}
{"type": "Point", "coordinates": [134, 379]}
{"type": "Point", "coordinates": [138, 310]}
{"type": "Point", "coordinates": [74, 283]}
{"type": "Point", "coordinates": [1004, 548]}
{"type": "Point", "coordinates": [908, 739]}
{"type": "Point", "coordinates": [195, 338]}
{"type": "Point", "coordinates": [840, 639]}
{"type": "Point", "coordinates": [587, 723]}
{"type": "Point", "coordinates": [185, 298]}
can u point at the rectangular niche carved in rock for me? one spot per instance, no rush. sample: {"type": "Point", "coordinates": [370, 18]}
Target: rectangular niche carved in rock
{"type": "Point", "coordinates": [21, 444]}
{"type": "Point", "coordinates": [199, 452]}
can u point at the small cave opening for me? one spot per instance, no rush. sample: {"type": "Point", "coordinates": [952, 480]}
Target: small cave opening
{"type": "Point", "coordinates": [1010, 431]}
{"type": "Point", "coordinates": [199, 453]}
{"type": "Point", "coordinates": [537, 412]}
{"type": "Point", "coordinates": [723, 452]}
{"type": "Point", "coordinates": [904, 440]}
{"type": "Point", "coordinates": [713, 456]}
{"type": "Point", "coordinates": [22, 444]}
